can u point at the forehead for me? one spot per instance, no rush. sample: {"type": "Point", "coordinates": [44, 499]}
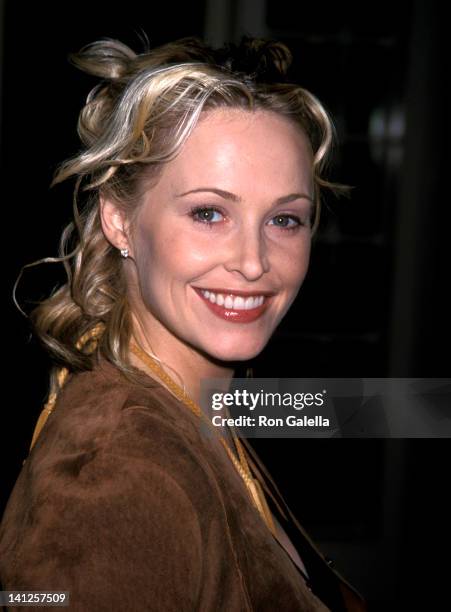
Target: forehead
{"type": "Point", "coordinates": [230, 146]}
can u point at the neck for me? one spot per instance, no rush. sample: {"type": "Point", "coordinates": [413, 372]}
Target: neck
{"type": "Point", "coordinates": [190, 365]}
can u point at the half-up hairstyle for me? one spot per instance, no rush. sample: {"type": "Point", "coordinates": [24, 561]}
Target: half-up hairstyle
{"type": "Point", "coordinates": [135, 119]}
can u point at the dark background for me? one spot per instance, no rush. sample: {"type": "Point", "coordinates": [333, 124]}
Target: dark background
{"type": "Point", "coordinates": [374, 302]}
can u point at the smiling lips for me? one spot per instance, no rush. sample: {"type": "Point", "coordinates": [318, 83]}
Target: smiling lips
{"type": "Point", "coordinates": [236, 307]}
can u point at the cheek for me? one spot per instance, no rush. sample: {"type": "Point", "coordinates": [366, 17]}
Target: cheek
{"type": "Point", "coordinates": [151, 265]}
{"type": "Point", "coordinates": [167, 257]}
{"type": "Point", "coordinates": [189, 251]}
{"type": "Point", "coordinates": [294, 264]}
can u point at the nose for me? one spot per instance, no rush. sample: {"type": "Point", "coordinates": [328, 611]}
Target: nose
{"type": "Point", "coordinates": [248, 255]}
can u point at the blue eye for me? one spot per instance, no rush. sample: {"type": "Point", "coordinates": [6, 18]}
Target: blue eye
{"type": "Point", "coordinates": [283, 222]}
{"type": "Point", "coordinates": [205, 214]}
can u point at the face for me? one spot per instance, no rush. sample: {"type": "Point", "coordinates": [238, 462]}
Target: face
{"type": "Point", "coordinates": [222, 241]}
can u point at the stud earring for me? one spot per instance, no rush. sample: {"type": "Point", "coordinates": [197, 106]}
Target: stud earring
{"type": "Point", "coordinates": [124, 253]}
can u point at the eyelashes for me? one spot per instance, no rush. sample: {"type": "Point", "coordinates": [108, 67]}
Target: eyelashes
{"type": "Point", "coordinates": [206, 214]}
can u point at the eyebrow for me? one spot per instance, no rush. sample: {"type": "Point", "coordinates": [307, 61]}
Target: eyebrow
{"type": "Point", "coordinates": [234, 198]}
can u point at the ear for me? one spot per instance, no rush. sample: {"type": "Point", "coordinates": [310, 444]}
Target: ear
{"type": "Point", "coordinates": [113, 223]}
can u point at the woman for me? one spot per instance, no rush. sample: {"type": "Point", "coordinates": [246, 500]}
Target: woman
{"type": "Point", "coordinates": [202, 172]}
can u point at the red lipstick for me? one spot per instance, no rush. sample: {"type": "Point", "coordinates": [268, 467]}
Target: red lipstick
{"type": "Point", "coordinates": [235, 315]}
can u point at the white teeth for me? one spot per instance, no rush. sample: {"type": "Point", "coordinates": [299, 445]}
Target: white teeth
{"type": "Point", "coordinates": [236, 303]}
{"type": "Point", "coordinates": [228, 302]}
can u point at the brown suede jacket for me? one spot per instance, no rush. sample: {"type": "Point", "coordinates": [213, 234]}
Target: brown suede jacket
{"type": "Point", "coordinates": [125, 504]}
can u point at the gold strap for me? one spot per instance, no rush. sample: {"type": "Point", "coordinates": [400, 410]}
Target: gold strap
{"type": "Point", "coordinates": [253, 486]}
{"type": "Point", "coordinates": [92, 335]}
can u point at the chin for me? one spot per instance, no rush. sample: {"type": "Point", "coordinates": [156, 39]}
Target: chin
{"type": "Point", "coordinates": [237, 351]}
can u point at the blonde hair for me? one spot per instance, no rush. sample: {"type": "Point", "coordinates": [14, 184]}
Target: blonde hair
{"type": "Point", "coordinates": [134, 121]}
